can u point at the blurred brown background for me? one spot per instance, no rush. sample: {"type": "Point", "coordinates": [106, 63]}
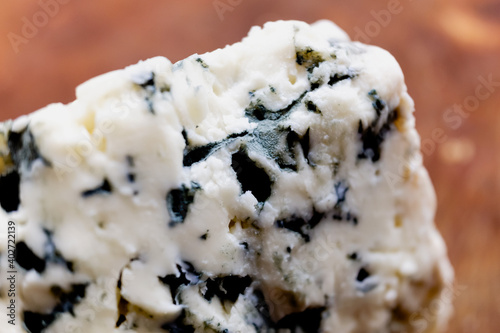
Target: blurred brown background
{"type": "Point", "coordinates": [448, 49]}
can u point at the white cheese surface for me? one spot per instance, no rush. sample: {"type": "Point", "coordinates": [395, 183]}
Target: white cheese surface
{"type": "Point", "coordinates": [275, 185]}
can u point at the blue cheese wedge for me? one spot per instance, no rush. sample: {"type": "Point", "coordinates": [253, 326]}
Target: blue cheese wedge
{"type": "Point", "coordinates": [274, 185]}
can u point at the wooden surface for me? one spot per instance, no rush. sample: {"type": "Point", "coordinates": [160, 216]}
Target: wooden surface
{"type": "Point", "coordinates": [445, 47]}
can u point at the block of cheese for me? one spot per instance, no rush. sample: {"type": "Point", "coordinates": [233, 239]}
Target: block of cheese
{"type": "Point", "coordinates": [274, 185]}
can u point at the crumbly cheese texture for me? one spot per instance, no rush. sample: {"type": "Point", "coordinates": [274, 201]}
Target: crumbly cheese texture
{"type": "Point", "coordinates": [274, 185]}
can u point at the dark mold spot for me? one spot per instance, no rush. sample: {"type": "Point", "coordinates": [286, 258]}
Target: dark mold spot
{"type": "Point", "coordinates": [27, 259]}
{"type": "Point", "coordinates": [301, 225]}
{"type": "Point", "coordinates": [149, 102]}
{"type": "Point", "coordinates": [191, 274]}
{"type": "Point", "coordinates": [194, 155]}
{"type": "Point", "coordinates": [341, 190]}
{"type": "Point", "coordinates": [165, 88]}
{"type": "Point", "coordinates": [121, 319]}
{"type": "Point", "coordinates": [340, 212]}
{"type": "Point", "coordinates": [271, 138]}
{"type": "Point", "coordinates": [362, 283]}
{"type": "Point", "coordinates": [37, 322]}
{"type": "Point", "coordinates": [69, 300]}
{"type": "Point", "coordinates": [122, 303]}
{"type": "Point", "coordinates": [352, 256]}
{"type": "Point", "coordinates": [174, 282]}
{"type": "Point", "coordinates": [308, 58]}
{"type": "Point", "coordinates": [9, 191]}
{"type": "Point", "coordinates": [336, 168]}
{"type": "Point", "coordinates": [288, 249]}
{"type": "Point", "coordinates": [204, 236]}
{"type": "Point", "coordinates": [23, 150]}
{"type": "Point", "coordinates": [149, 86]}
{"type": "Point", "coordinates": [186, 275]}
{"type": "Point", "coordinates": [179, 325]}
{"type": "Point", "coordinates": [362, 275]}
{"type": "Point", "coordinates": [308, 320]}
{"type": "Point", "coordinates": [251, 177]}
{"type": "Point", "coordinates": [52, 254]}
{"type": "Point", "coordinates": [148, 83]}
{"type": "Point", "coordinates": [185, 137]}
{"type": "Point", "coordinates": [293, 139]}
{"type": "Point", "coordinates": [131, 164]}
{"type": "Point", "coordinates": [256, 111]}
{"type": "Point", "coordinates": [288, 162]}
{"type": "Point", "coordinates": [235, 135]}
{"type": "Point", "coordinates": [227, 288]}
{"type": "Point", "coordinates": [373, 136]}
{"type": "Point", "coordinates": [197, 154]}
{"type": "Point", "coordinates": [315, 85]}
{"type": "Point", "coordinates": [305, 143]}
{"type": "Point", "coordinates": [278, 144]}
{"type": "Point", "coordinates": [337, 77]}
{"type": "Point", "coordinates": [378, 104]}
{"type": "Point", "coordinates": [104, 188]}
{"type": "Point", "coordinates": [178, 201]}
{"type": "Point", "coordinates": [131, 177]}
{"type": "Point", "coordinates": [130, 161]}
{"type": "Point", "coordinates": [202, 63]}
{"type": "Point", "coordinates": [312, 107]}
